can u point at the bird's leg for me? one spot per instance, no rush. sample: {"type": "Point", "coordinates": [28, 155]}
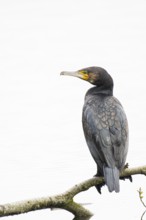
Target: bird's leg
{"type": "Point", "coordinates": [127, 177]}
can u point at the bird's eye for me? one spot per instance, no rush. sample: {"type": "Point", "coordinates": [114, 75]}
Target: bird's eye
{"type": "Point", "coordinates": [84, 71]}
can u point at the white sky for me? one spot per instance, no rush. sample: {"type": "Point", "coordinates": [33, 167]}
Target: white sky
{"type": "Point", "coordinates": [40, 112]}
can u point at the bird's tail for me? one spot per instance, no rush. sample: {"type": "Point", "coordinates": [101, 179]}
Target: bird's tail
{"type": "Point", "coordinates": [111, 176]}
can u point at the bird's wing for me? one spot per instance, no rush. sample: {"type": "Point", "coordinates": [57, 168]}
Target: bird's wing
{"type": "Point", "coordinates": [106, 131]}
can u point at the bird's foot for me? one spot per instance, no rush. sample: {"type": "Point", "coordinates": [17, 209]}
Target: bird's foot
{"type": "Point", "coordinates": [99, 186]}
{"type": "Point", "coordinates": [126, 177]}
{"type": "Point", "coordinates": [126, 166]}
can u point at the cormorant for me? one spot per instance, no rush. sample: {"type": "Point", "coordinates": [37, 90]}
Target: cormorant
{"type": "Point", "coordinates": [105, 125]}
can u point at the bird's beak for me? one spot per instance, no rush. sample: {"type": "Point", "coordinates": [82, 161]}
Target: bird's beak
{"type": "Point", "coordinates": [78, 74]}
{"type": "Point", "coordinates": [70, 73]}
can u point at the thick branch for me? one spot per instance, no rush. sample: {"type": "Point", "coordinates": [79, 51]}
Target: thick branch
{"type": "Point", "coordinates": [65, 200]}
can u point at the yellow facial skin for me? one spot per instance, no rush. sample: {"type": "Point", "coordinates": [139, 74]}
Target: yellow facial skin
{"type": "Point", "coordinates": [84, 75]}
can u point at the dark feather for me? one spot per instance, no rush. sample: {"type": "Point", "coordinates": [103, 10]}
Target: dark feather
{"type": "Point", "coordinates": [106, 132]}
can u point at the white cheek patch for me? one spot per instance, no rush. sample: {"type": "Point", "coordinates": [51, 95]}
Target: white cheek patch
{"type": "Point", "coordinates": [91, 80]}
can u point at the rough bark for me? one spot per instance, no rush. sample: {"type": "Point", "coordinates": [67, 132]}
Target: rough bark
{"type": "Point", "coordinates": [64, 200]}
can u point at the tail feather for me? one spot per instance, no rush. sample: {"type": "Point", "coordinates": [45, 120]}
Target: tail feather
{"type": "Point", "coordinates": [111, 176]}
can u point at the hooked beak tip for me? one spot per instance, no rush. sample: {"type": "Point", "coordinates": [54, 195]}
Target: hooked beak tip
{"type": "Point", "coordinates": [62, 73]}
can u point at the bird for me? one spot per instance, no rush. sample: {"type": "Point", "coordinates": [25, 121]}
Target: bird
{"type": "Point", "coordinates": [105, 125]}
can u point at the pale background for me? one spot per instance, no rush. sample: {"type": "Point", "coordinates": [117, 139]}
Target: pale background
{"type": "Point", "coordinates": [42, 147]}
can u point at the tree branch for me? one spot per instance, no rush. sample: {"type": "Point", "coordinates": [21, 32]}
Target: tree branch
{"type": "Point", "coordinates": [65, 200]}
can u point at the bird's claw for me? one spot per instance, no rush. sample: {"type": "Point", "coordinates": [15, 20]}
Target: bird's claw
{"type": "Point", "coordinates": [126, 177]}
{"type": "Point", "coordinates": [99, 186]}
{"type": "Point", "coordinates": [126, 166]}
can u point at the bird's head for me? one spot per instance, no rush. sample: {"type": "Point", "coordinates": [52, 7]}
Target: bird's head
{"type": "Point", "coordinates": [95, 75]}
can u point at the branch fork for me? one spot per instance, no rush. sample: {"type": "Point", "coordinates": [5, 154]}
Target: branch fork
{"type": "Point", "coordinates": [65, 200]}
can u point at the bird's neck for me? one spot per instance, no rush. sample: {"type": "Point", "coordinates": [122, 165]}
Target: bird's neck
{"type": "Point", "coordinates": [100, 91]}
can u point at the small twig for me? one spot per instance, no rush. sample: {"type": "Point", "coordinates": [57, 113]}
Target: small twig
{"type": "Point", "coordinates": [141, 199]}
{"type": "Point", "coordinates": [141, 196]}
{"type": "Point", "coordinates": [143, 215]}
